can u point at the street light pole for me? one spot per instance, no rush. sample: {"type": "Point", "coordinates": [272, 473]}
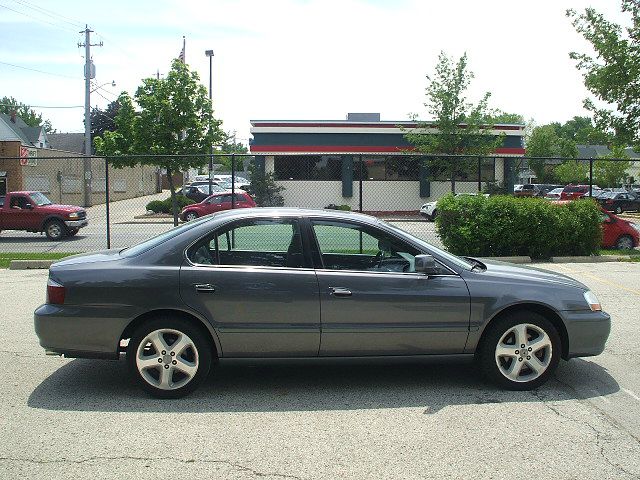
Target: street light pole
{"type": "Point", "coordinates": [209, 53]}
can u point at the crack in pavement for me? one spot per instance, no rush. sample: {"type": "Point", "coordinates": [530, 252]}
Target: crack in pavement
{"type": "Point", "coordinates": [600, 440]}
{"type": "Point", "coordinates": [237, 466]}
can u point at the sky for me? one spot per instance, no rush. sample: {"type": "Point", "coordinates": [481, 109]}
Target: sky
{"type": "Point", "coordinates": [297, 59]}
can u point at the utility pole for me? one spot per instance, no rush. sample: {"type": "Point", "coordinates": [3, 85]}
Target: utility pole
{"type": "Point", "coordinates": [209, 54]}
{"type": "Point", "coordinates": [89, 73]}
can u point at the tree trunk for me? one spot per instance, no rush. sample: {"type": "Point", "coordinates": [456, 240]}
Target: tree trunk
{"type": "Point", "coordinates": [174, 201]}
{"type": "Point", "coordinates": [453, 175]}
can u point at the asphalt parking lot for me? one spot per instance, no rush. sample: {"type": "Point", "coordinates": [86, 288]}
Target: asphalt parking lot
{"type": "Point", "coordinates": [65, 418]}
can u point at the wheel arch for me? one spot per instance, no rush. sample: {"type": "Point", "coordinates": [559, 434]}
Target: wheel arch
{"type": "Point", "coordinates": [49, 218]}
{"type": "Point", "coordinates": [200, 323]}
{"type": "Point", "coordinates": [541, 309]}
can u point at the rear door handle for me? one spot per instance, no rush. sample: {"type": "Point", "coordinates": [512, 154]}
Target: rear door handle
{"type": "Point", "coordinates": [340, 291]}
{"type": "Point", "coordinates": [204, 288]}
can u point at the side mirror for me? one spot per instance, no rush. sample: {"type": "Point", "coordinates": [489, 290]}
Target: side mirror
{"type": "Point", "coordinates": [426, 264]}
{"type": "Point", "coordinates": [28, 206]}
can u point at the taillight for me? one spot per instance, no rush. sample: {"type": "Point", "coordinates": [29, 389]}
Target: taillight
{"type": "Point", "coordinates": [55, 292]}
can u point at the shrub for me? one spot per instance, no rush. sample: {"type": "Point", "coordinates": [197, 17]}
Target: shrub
{"type": "Point", "coordinates": [333, 206]}
{"type": "Point", "coordinates": [505, 226]}
{"type": "Point", "coordinates": [164, 206]}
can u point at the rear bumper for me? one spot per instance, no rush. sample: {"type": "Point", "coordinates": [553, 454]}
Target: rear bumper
{"type": "Point", "coordinates": [587, 331]}
{"type": "Point", "coordinates": [75, 331]}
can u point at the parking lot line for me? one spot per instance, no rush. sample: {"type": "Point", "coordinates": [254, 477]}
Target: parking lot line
{"type": "Point", "coordinates": [599, 279]}
{"type": "Point", "coordinates": [630, 393]}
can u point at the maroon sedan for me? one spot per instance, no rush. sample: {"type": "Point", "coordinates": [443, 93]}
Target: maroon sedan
{"type": "Point", "coordinates": [216, 203]}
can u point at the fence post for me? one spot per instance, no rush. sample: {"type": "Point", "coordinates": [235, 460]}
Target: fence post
{"type": "Point", "coordinates": [360, 185]}
{"type": "Point", "coordinates": [106, 199]}
{"type": "Point", "coordinates": [233, 180]}
{"type": "Point", "coordinates": [591, 177]}
{"type": "Point", "coordinates": [479, 174]}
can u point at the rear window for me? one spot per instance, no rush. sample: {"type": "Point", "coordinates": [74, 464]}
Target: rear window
{"type": "Point", "coordinates": [574, 189]}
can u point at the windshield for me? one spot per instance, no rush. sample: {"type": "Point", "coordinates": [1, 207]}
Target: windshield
{"type": "Point", "coordinates": [163, 237]}
{"type": "Point", "coordinates": [39, 199]}
{"type": "Point", "coordinates": [460, 262]}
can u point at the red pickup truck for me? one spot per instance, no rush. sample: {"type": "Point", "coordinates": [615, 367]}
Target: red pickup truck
{"type": "Point", "coordinates": [34, 212]}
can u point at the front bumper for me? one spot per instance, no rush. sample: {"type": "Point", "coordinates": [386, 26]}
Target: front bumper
{"type": "Point", "coordinates": [587, 332]}
{"type": "Point", "coordinates": [76, 223]}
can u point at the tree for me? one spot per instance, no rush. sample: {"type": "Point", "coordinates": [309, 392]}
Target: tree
{"type": "Point", "coordinates": [173, 128]}
{"type": "Point", "coordinates": [545, 142]}
{"type": "Point", "coordinates": [572, 171]}
{"type": "Point", "coordinates": [25, 112]}
{"type": "Point", "coordinates": [612, 74]}
{"type": "Point", "coordinates": [608, 173]}
{"type": "Point", "coordinates": [581, 131]}
{"type": "Point", "coordinates": [498, 116]}
{"type": "Point", "coordinates": [461, 125]}
{"type": "Point", "coordinates": [104, 120]}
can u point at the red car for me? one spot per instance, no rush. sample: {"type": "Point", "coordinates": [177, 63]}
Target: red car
{"type": "Point", "coordinates": [618, 233]}
{"type": "Point", "coordinates": [216, 203]}
{"type": "Point", "coordinates": [572, 192]}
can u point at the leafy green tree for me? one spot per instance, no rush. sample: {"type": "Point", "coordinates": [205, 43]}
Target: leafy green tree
{"type": "Point", "coordinates": [498, 116]}
{"type": "Point", "coordinates": [611, 75]}
{"type": "Point", "coordinates": [545, 142]}
{"type": "Point", "coordinates": [611, 173]}
{"type": "Point", "coordinates": [572, 171]}
{"type": "Point", "coordinates": [581, 131]}
{"type": "Point", "coordinates": [173, 126]}
{"type": "Point", "coordinates": [461, 125]}
{"type": "Point", "coordinates": [104, 120]}
{"type": "Point", "coordinates": [25, 112]}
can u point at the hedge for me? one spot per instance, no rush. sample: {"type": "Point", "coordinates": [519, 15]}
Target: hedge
{"type": "Point", "coordinates": [164, 206]}
{"type": "Point", "coordinates": [506, 226]}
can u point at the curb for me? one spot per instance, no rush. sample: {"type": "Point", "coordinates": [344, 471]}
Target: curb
{"type": "Point", "coordinates": [518, 259]}
{"type": "Point", "coordinates": [593, 259]}
{"type": "Point", "coordinates": [30, 264]}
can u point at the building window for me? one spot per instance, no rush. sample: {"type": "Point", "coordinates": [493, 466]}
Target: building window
{"type": "Point", "coordinates": [466, 169]}
{"type": "Point", "coordinates": [392, 167]}
{"type": "Point", "coordinates": [308, 167]}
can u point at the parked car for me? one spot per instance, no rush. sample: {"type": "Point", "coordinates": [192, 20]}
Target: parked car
{"type": "Point", "coordinates": [429, 209]}
{"type": "Point", "coordinates": [571, 192]}
{"type": "Point", "coordinates": [619, 202]}
{"type": "Point", "coordinates": [216, 203]}
{"type": "Point", "coordinates": [298, 283]}
{"type": "Point", "coordinates": [554, 194]}
{"type": "Point", "coordinates": [199, 192]}
{"type": "Point", "coordinates": [619, 233]}
{"type": "Point", "coordinates": [34, 212]}
{"type": "Point", "coordinates": [527, 190]}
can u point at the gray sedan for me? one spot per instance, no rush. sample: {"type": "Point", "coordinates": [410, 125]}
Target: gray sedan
{"type": "Point", "coordinates": [290, 283]}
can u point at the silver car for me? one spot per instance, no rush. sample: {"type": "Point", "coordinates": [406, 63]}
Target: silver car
{"type": "Point", "coordinates": [290, 283]}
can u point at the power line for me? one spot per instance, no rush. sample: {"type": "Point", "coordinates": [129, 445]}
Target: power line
{"type": "Point", "coordinates": [37, 19]}
{"type": "Point", "coordinates": [41, 106]}
{"type": "Point", "coordinates": [46, 11]}
{"type": "Point", "coordinates": [40, 71]}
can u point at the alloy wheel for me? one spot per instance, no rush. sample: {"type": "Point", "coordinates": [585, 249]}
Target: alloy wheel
{"type": "Point", "coordinates": [167, 359]}
{"type": "Point", "coordinates": [191, 216]}
{"type": "Point", "coordinates": [625, 243]}
{"type": "Point", "coordinates": [523, 353]}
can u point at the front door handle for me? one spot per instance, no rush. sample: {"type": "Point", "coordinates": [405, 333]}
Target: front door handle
{"type": "Point", "coordinates": [340, 291]}
{"type": "Point", "coordinates": [204, 288]}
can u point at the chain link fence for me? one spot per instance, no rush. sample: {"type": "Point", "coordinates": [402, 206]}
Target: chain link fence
{"type": "Point", "coordinates": [128, 199]}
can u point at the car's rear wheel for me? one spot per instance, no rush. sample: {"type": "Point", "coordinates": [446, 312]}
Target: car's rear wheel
{"type": "Point", "coordinates": [625, 242]}
{"type": "Point", "coordinates": [169, 357]}
{"type": "Point", "coordinates": [190, 216]}
{"type": "Point", "coordinates": [55, 230]}
{"type": "Point", "coordinates": [520, 351]}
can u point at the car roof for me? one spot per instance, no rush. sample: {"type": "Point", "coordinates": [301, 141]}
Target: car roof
{"type": "Point", "coordinates": [265, 212]}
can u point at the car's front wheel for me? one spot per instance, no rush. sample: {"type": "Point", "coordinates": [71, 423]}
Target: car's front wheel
{"type": "Point", "coordinates": [520, 351]}
{"type": "Point", "coordinates": [625, 242]}
{"type": "Point", "coordinates": [190, 216]}
{"type": "Point", "coordinates": [618, 210]}
{"type": "Point", "coordinates": [169, 357]}
{"type": "Point", "coordinates": [55, 230]}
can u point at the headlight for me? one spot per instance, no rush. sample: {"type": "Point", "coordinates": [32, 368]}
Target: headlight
{"type": "Point", "coordinates": [592, 301]}
{"type": "Point", "coordinates": [636, 226]}
{"type": "Point", "coordinates": [73, 215]}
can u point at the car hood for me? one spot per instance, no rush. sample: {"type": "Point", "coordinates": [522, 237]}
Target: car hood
{"type": "Point", "coordinates": [64, 208]}
{"type": "Point", "coordinates": [101, 256]}
{"type": "Point", "coordinates": [519, 272]}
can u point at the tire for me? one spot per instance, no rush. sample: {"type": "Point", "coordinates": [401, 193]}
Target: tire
{"type": "Point", "coordinates": [55, 230]}
{"type": "Point", "coordinates": [72, 231]}
{"type": "Point", "coordinates": [531, 370]}
{"type": "Point", "coordinates": [433, 215]}
{"type": "Point", "coordinates": [173, 376]}
{"type": "Point", "coordinates": [624, 242]}
{"type": "Point", "coordinates": [618, 210]}
{"type": "Point", "coordinates": [189, 216]}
